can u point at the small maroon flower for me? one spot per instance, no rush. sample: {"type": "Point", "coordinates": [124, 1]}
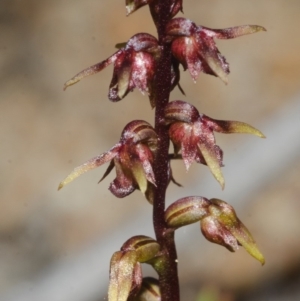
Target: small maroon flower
{"type": "Point", "coordinates": [194, 46]}
{"type": "Point", "coordinates": [134, 67]}
{"type": "Point", "coordinates": [125, 276]}
{"type": "Point", "coordinates": [223, 227]}
{"type": "Point", "coordinates": [193, 134]}
{"type": "Point", "coordinates": [218, 220]}
{"type": "Point", "coordinates": [132, 157]}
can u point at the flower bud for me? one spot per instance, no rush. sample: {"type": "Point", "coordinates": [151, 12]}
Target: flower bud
{"type": "Point", "coordinates": [125, 267]}
{"type": "Point", "coordinates": [186, 211]}
{"type": "Point", "coordinates": [149, 291]}
{"type": "Point", "coordinates": [145, 247]}
{"type": "Point", "coordinates": [124, 272]}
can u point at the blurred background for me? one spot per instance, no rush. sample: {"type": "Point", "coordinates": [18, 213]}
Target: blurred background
{"type": "Point", "coordinates": [56, 246]}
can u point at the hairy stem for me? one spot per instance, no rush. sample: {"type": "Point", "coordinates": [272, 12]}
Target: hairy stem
{"type": "Point", "coordinates": [168, 275]}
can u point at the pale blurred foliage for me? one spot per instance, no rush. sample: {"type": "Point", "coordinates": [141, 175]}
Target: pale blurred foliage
{"type": "Point", "coordinates": [45, 132]}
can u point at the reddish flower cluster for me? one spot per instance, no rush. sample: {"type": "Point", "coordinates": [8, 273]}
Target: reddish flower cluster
{"type": "Point", "coordinates": [194, 47]}
{"type": "Point", "coordinates": [126, 279]}
{"type": "Point", "coordinates": [218, 220]}
{"type": "Point", "coordinates": [132, 157]}
{"type": "Point", "coordinates": [134, 67]}
{"type": "Point", "coordinates": [193, 134]}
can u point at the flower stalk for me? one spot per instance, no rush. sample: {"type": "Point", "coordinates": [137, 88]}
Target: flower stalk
{"type": "Point", "coordinates": [168, 276]}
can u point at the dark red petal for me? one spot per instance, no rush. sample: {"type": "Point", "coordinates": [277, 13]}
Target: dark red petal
{"type": "Point", "coordinates": [181, 135]}
{"type": "Point", "coordinates": [146, 159]}
{"type": "Point", "coordinates": [119, 86]}
{"type": "Point", "coordinates": [193, 60]}
{"type": "Point", "coordinates": [189, 148]}
{"type": "Point", "coordinates": [177, 132]}
{"type": "Point", "coordinates": [124, 77]}
{"type": "Point", "coordinates": [217, 233]}
{"type": "Point", "coordinates": [179, 51]}
{"type": "Point", "coordinates": [215, 62]}
{"type": "Point", "coordinates": [143, 68]}
{"type": "Point", "coordinates": [121, 186]}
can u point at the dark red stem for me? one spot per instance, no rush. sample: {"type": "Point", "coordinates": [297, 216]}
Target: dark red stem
{"type": "Point", "coordinates": [168, 275]}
